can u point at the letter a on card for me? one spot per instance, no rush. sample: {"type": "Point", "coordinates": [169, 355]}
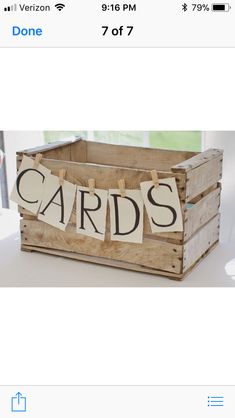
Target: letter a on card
{"type": "Point", "coordinates": [28, 189]}
{"type": "Point", "coordinates": [163, 205]}
{"type": "Point", "coordinates": [57, 202]}
{"type": "Point", "coordinates": [91, 212]}
{"type": "Point", "coordinates": [126, 215]}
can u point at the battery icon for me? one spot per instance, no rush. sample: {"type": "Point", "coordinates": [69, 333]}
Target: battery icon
{"type": "Point", "coordinates": [220, 7]}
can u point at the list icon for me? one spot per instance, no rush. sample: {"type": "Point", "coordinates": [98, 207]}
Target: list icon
{"type": "Point", "coordinates": [215, 401]}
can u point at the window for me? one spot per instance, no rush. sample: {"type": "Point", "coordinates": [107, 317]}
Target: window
{"type": "Point", "coordinates": [179, 140]}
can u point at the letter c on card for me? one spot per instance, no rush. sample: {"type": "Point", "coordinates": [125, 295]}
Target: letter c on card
{"type": "Point", "coordinates": [19, 178]}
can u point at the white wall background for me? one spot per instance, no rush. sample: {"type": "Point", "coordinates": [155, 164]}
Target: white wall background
{"type": "Point", "coordinates": [226, 141]}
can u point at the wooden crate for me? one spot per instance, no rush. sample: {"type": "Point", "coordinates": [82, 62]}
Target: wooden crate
{"type": "Point", "coordinates": [171, 254]}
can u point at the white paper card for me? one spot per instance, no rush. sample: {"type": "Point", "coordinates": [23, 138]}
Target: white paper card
{"type": "Point", "coordinates": [28, 189]}
{"type": "Point", "coordinates": [57, 202]}
{"type": "Point", "coordinates": [126, 216]}
{"type": "Point", "coordinates": [162, 205]}
{"type": "Point", "coordinates": [91, 212]}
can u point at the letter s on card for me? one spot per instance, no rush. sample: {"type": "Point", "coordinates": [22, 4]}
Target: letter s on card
{"type": "Point", "coordinates": [162, 205]}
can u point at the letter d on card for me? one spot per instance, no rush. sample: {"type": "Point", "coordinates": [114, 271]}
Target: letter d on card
{"type": "Point", "coordinates": [126, 216]}
{"type": "Point", "coordinates": [163, 205]}
{"type": "Point", "coordinates": [28, 189]}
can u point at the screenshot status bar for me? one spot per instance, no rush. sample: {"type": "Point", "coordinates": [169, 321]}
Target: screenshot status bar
{"type": "Point", "coordinates": [97, 23]}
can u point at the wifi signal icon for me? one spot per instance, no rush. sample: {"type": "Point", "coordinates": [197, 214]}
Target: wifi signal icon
{"type": "Point", "coordinates": [59, 6]}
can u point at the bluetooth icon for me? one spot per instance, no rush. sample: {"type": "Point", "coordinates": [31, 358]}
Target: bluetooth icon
{"type": "Point", "coordinates": [184, 7]}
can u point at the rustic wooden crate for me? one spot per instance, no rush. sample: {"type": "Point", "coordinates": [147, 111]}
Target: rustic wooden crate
{"type": "Point", "coordinates": [171, 254]}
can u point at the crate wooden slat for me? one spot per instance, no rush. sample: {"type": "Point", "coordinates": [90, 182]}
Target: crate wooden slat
{"type": "Point", "coordinates": [201, 172]}
{"type": "Point", "coordinates": [198, 215]}
{"type": "Point", "coordinates": [128, 156]}
{"type": "Point", "coordinates": [201, 242]}
{"type": "Point", "coordinates": [201, 212]}
{"type": "Point", "coordinates": [170, 254]}
{"type": "Point", "coordinates": [154, 254]}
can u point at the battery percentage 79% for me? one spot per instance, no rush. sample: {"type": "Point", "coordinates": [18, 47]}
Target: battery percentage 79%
{"type": "Point", "coordinates": [196, 7]}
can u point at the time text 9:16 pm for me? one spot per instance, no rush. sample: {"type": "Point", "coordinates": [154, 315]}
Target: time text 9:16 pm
{"type": "Point", "coordinates": [119, 7]}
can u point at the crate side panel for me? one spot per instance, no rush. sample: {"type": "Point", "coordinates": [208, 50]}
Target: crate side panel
{"type": "Point", "coordinates": [134, 157]}
{"type": "Point", "coordinates": [79, 151]}
{"type": "Point", "coordinates": [47, 147]}
{"type": "Point", "coordinates": [203, 177]}
{"type": "Point", "coordinates": [103, 262]}
{"type": "Point", "coordinates": [198, 160]}
{"type": "Point", "coordinates": [205, 193]}
{"type": "Point", "coordinates": [201, 212]}
{"type": "Point", "coordinates": [107, 176]}
{"type": "Point", "coordinates": [197, 246]}
{"type": "Point", "coordinates": [152, 253]}
{"type": "Point", "coordinates": [175, 237]}
{"type": "Point", "coordinates": [61, 150]}
{"type": "Point", "coordinates": [63, 153]}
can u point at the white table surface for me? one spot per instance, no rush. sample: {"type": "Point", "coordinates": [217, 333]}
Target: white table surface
{"type": "Point", "coordinates": [19, 268]}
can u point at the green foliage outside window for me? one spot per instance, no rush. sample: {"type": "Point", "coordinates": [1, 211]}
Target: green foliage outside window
{"type": "Point", "coordinates": [178, 140]}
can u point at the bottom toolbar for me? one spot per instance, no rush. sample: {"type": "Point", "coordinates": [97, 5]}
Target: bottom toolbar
{"type": "Point", "coordinates": [117, 401]}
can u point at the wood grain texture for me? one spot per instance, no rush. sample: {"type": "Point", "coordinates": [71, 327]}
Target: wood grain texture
{"type": "Point", "coordinates": [68, 150]}
{"type": "Point", "coordinates": [202, 172]}
{"type": "Point", "coordinates": [194, 218]}
{"type": "Point", "coordinates": [198, 160]}
{"type": "Point", "coordinates": [106, 176]}
{"type": "Point", "coordinates": [203, 177]}
{"type": "Point", "coordinates": [62, 154]}
{"type": "Point", "coordinates": [79, 151]}
{"type": "Point", "coordinates": [47, 147]}
{"type": "Point", "coordinates": [201, 242]}
{"type": "Point", "coordinates": [152, 254]}
{"type": "Point", "coordinates": [118, 264]}
{"type": "Point", "coordinates": [173, 237]}
{"type": "Point", "coordinates": [205, 192]}
{"type": "Point", "coordinates": [171, 254]}
{"type": "Point", "coordinates": [201, 213]}
{"type": "Point", "coordinates": [103, 261]}
{"type": "Point", "coordinates": [135, 157]}
{"type": "Point", "coordinates": [108, 154]}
